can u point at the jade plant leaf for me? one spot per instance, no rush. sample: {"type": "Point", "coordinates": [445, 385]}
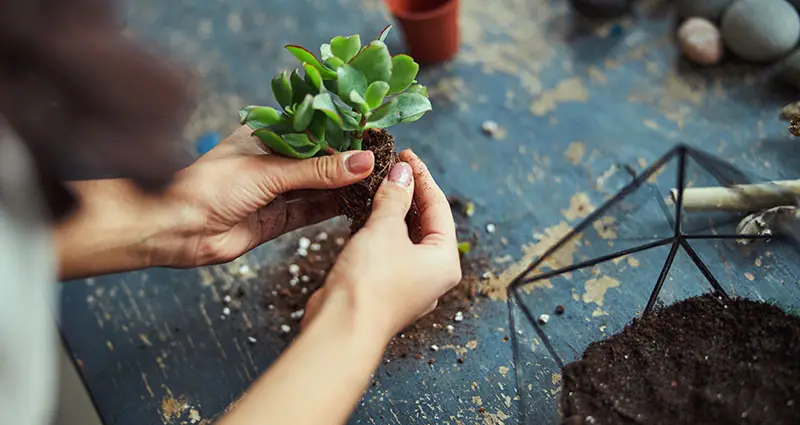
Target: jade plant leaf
{"type": "Point", "coordinates": [335, 63]}
{"type": "Point", "coordinates": [350, 119]}
{"type": "Point", "coordinates": [384, 33]}
{"type": "Point", "coordinates": [298, 140]}
{"type": "Point", "coordinates": [335, 137]}
{"type": "Point", "coordinates": [313, 78]}
{"type": "Point", "coordinates": [282, 146]}
{"type": "Point", "coordinates": [374, 61]}
{"type": "Point", "coordinates": [406, 106]}
{"type": "Point", "coordinates": [375, 93]}
{"type": "Point", "coordinates": [359, 102]}
{"type": "Point", "coordinates": [404, 70]}
{"type": "Point", "coordinates": [419, 89]}
{"type": "Point", "coordinates": [261, 116]}
{"type": "Point", "coordinates": [300, 89]}
{"type": "Point", "coordinates": [350, 80]}
{"type": "Point", "coordinates": [282, 90]}
{"type": "Point", "coordinates": [324, 103]}
{"type": "Point", "coordinates": [303, 114]}
{"type": "Point", "coordinates": [317, 126]}
{"type": "Point", "coordinates": [325, 52]}
{"type": "Point", "coordinates": [303, 55]}
{"type": "Point", "coordinates": [384, 110]}
{"type": "Point", "coordinates": [345, 48]}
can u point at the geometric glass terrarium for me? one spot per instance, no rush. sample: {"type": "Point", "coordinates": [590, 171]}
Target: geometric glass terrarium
{"type": "Point", "coordinates": [673, 232]}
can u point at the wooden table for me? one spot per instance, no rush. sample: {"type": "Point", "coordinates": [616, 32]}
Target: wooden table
{"type": "Point", "coordinates": [572, 104]}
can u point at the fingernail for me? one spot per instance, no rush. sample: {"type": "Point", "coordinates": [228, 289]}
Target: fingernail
{"type": "Point", "coordinates": [359, 162]}
{"type": "Point", "coordinates": [400, 174]}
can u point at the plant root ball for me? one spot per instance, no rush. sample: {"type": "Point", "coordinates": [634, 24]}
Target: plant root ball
{"type": "Point", "coordinates": [760, 30]}
{"type": "Point", "coordinates": [601, 9]}
{"type": "Point", "coordinates": [700, 41]}
{"type": "Point", "coordinates": [708, 9]}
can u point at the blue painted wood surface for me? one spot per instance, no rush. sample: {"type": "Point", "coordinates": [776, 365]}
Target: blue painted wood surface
{"type": "Point", "coordinates": [572, 104]}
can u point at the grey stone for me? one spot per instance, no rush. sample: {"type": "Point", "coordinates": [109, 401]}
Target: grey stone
{"type": "Point", "coordinates": [709, 9]}
{"type": "Point", "coordinates": [760, 30]}
{"type": "Point", "coordinates": [790, 68]}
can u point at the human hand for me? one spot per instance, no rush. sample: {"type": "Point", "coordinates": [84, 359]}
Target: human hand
{"type": "Point", "coordinates": [239, 196]}
{"type": "Point", "coordinates": [387, 280]}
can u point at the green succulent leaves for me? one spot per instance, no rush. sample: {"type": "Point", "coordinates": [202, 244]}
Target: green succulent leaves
{"type": "Point", "coordinates": [349, 90]}
{"type": "Point", "coordinates": [345, 48]}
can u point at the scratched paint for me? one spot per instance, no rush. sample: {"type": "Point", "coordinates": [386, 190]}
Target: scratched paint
{"type": "Point", "coordinates": [606, 227]}
{"type": "Point", "coordinates": [495, 286]}
{"type": "Point", "coordinates": [575, 152]}
{"type": "Point", "coordinates": [580, 206]}
{"type": "Point", "coordinates": [503, 370]}
{"type": "Point", "coordinates": [595, 292]}
{"type": "Point", "coordinates": [569, 90]}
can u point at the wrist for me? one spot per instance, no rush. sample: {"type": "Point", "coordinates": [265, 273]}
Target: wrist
{"type": "Point", "coordinates": [357, 318]}
{"type": "Point", "coordinates": [117, 228]}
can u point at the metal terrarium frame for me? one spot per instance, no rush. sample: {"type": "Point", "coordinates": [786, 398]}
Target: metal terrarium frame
{"type": "Point", "coordinates": [679, 235]}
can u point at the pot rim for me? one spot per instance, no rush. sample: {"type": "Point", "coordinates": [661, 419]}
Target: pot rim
{"type": "Point", "coordinates": [419, 16]}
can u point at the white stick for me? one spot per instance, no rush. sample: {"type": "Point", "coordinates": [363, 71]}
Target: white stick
{"type": "Point", "coordinates": [739, 198]}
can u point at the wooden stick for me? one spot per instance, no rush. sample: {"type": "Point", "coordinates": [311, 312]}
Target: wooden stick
{"type": "Point", "coordinates": [739, 198]}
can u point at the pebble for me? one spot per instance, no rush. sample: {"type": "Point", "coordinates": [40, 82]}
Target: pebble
{"type": "Point", "coordinates": [226, 311]}
{"type": "Point", "coordinates": [286, 329]}
{"type": "Point", "coordinates": [244, 269]}
{"type": "Point", "coordinates": [340, 241]}
{"type": "Point", "coordinates": [304, 243]}
{"type": "Point", "coordinates": [544, 318]}
{"type": "Point", "coordinates": [760, 31]}
{"type": "Point", "coordinates": [559, 309]}
{"type": "Point", "coordinates": [315, 247]}
{"type": "Point", "coordinates": [251, 340]}
{"type": "Point", "coordinates": [294, 281]}
{"type": "Point", "coordinates": [603, 9]}
{"type": "Point", "coordinates": [491, 228]}
{"type": "Point", "coordinates": [450, 328]}
{"type": "Point", "coordinates": [490, 127]}
{"type": "Point", "coordinates": [790, 69]}
{"type": "Point", "coordinates": [303, 291]}
{"type": "Point", "coordinates": [708, 9]}
{"type": "Point", "coordinates": [226, 299]}
{"type": "Point", "coordinates": [302, 252]}
{"type": "Point", "coordinates": [305, 279]}
{"type": "Point", "coordinates": [270, 307]}
{"type": "Point", "coordinates": [434, 347]}
{"type": "Point", "coordinates": [294, 269]}
{"type": "Point", "coordinates": [700, 41]}
{"type": "Point", "coordinates": [459, 317]}
{"type": "Point", "coordinates": [322, 236]}
{"type": "Point", "coordinates": [297, 315]}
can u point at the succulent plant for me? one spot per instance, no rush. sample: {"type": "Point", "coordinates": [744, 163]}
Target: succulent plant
{"type": "Point", "coordinates": [351, 88]}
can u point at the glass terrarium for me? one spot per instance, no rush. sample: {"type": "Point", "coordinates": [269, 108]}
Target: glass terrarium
{"type": "Point", "coordinates": [682, 228]}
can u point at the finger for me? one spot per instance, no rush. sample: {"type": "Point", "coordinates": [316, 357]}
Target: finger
{"type": "Point", "coordinates": [313, 306]}
{"type": "Point", "coordinates": [393, 198]}
{"type": "Point", "coordinates": [436, 218]}
{"type": "Point", "coordinates": [429, 310]}
{"type": "Point", "coordinates": [240, 142]}
{"type": "Point", "coordinates": [324, 172]}
{"type": "Point", "coordinates": [283, 215]}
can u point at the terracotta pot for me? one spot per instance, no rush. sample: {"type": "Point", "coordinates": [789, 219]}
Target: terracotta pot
{"type": "Point", "coordinates": [430, 27]}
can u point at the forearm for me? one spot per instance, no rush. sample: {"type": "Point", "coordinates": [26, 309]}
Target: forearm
{"type": "Point", "coordinates": [320, 378]}
{"type": "Point", "coordinates": [116, 229]}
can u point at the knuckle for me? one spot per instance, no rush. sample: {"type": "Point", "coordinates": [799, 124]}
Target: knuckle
{"type": "Point", "coordinates": [326, 169]}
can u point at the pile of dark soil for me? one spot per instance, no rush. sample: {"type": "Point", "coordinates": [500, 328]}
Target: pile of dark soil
{"type": "Point", "coordinates": [701, 361]}
{"type": "Point", "coordinates": [356, 200]}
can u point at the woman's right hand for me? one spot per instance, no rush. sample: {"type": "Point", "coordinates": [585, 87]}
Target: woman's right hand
{"type": "Point", "coordinates": [383, 278]}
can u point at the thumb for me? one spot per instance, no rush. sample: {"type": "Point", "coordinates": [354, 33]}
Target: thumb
{"type": "Point", "coordinates": [324, 172]}
{"type": "Point", "coordinates": [393, 198]}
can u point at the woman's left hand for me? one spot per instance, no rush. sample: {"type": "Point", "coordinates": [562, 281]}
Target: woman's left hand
{"type": "Point", "coordinates": [231, 200]}
{"type": "Point", "coordinates": [239, 196]}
